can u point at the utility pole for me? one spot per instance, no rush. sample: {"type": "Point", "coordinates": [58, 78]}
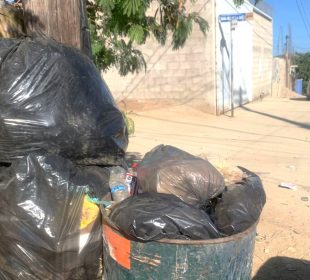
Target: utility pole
{"type": "Point", "coordinates": [280, 44]}
{"type": "Point", "coordinates": [289, 56]}
{"type": "Point", "coordinates": [286, 62]}
{"type": "Point", "coordinates": [64, 21]}
{"type": "Point", "coordinates": [282, 49]}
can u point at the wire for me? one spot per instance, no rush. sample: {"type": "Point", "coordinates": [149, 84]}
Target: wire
{"type": "Point", "coordinates": [302, 17]}
{"type": "Point", "coordinates": [304, 10]}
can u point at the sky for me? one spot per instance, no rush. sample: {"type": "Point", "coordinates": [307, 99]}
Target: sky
{"type": "Point", "coordinates": [297, 14]}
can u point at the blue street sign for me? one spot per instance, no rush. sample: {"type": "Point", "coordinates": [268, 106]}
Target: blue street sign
{"type": "Point", "coordinates": [231, 17]}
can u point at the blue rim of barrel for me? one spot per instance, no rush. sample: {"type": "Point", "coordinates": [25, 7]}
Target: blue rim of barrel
{"type": "Point", "coordinates": [226, 239]}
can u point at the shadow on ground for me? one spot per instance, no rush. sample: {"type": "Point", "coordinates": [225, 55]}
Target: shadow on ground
{"type": "Point", "coordinates": [303, 98]}
{"type": "Point", "coordinates": [299, 124]}
{"type": "Point", "coordinates": [283, 268]}
{"type": "Point", "coordinates": [231, 129]}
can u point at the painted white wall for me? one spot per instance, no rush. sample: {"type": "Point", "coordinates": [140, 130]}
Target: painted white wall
{"type": "Point", "coordinates": [242, 56]}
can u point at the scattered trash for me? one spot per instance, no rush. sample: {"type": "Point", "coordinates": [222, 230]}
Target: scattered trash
{"type": "Point", "coordinates": [293, 167]}
{"type": "Point", "coordinates": [305, 198]}
{"type": "Point", "coordinates": [167, 169]}
{"type": "Point", "coordinates": [230, 174]}
{"type": "Point", "coordinates": [260, 238]}
{"type": "Point", "coordinates": [155, 216]}
{"type": "Point", "coordinates": [54, 101]}
{"type": "Point", "coordinates": [289, 186]}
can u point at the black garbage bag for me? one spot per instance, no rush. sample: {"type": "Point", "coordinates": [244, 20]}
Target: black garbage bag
{"type": "Point", "coordinates": [53, 100]}
{"type": "Point", "coordinates": [98, 176]}
{"type": "Point", "coordinates": [240, 205]}
{"type": "Point", "coordinates": [167, 169]}
{"type": "Point", "coordinates": [48, 230]}
{"type": "Point", "coordinates": [155, 216]}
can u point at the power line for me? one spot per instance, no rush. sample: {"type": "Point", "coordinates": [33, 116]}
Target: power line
{"type": "Point", "coordinates": [304, 10]}
{"type": "Point", "coordinates": [303, 18]}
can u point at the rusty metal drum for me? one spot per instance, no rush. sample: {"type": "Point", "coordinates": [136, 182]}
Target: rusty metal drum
{"type": "Point", "coordinates": [228, 258]}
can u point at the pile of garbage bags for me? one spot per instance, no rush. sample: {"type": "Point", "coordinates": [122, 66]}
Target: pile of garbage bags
{"type": "Point", "coordinates": [62, 147]}
{"type": "Point", "coordinates": [57, 120]}
{"type": "Point", "coordinates": [184, 197]}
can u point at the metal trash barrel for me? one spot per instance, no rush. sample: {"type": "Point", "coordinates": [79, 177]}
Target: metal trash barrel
{"type": "Point", "coordinates": [228, 258]}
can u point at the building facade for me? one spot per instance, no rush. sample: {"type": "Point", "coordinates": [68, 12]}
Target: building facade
{"type": "Point", "coordinates": [204, 72]}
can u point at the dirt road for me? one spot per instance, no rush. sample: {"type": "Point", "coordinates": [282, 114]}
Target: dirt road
{"type": "Point", "coordinates": [271, 138]}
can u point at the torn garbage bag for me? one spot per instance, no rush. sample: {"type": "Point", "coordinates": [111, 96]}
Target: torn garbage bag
{"type": "Point", "coordinates": [154, 216]}
{"type": "Point", "coordinates": [53, 100]}
{"type": "Point", "coordinates": [48, 229]}
{"type": "Point", "coordinates": [240, 205]}
{"type": "Point", "coordinates": [167, 169]}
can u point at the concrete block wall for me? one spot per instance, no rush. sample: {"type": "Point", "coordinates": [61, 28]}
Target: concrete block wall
{"type": "Point", "coordinates": [279, 88]}
{"type": "Point", "coordinates": [186, 76]}
{"type": "Point", "coordinates": [262, 54]}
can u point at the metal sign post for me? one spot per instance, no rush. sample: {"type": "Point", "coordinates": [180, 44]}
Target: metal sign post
{"type": "Point", "coordinates": [233, 19]}
{"type": "Point", "coordinates": [233, 25]}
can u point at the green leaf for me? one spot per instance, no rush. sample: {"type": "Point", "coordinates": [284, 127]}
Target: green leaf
{"type": "Point", "coordinates": [117, 25]}
{"type": "Point", "coordinates": [131, 7]}
{"type": "Point", "coordinates": [136, 34]}
{"type": "Point", "coordinates": [107, 5]}
{"type": "Point", "coordinates": [182, 32]}
{"type": "Point", "coordinates": [203, 24]}
{"type": "Point", "coordinates": [96, 48]}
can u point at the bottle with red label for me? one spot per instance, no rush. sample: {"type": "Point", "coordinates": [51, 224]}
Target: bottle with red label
{"type": "Point", "coordinates": [131, 178]}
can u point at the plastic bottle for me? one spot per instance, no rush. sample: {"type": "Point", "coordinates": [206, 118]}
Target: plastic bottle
{"type": "Point", "coordinates": [129, 179]}
{"type": "Point", "coordinates": [119, 188]}
{"type": "Point", "coordinates": [134, 179]}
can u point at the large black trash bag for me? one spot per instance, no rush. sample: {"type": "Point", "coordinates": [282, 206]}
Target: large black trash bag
{"type": "Point", "coordinates": [240, 205]}
{"type": "Point", "coordinates": [167, 169]}
{"type": "Point", "coordinates": [42, 211]}
{"type": "Point", "coordinates": [52, 99]}
{"type": "Point", "coordinates": [155, 216]}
